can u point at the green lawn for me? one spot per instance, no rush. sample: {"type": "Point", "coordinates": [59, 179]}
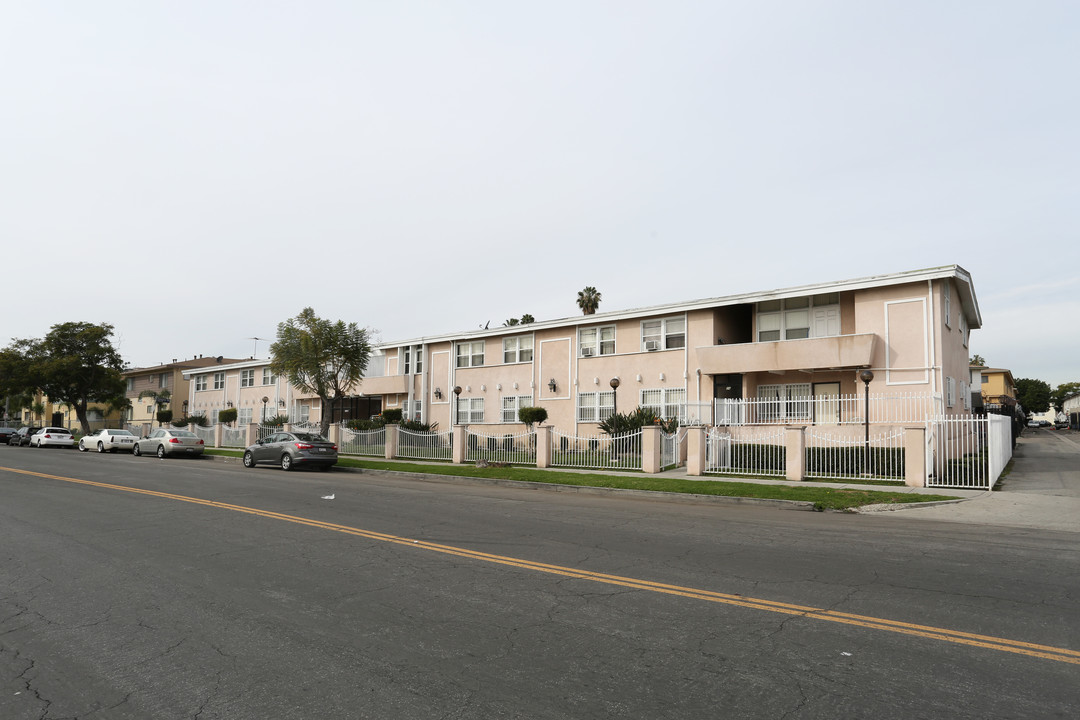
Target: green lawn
{"type": "Point", "coordinates": [823, 498]}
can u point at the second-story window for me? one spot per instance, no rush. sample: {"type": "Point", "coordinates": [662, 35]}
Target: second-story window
{"type": "Point", "coordinates": [269, 378]}
{"type": "Point", "coordinates": [414, 360]}
{"type": "Point", "coordinates": [200, 382]}
{"type": "Point", "coordinates": [470, 354]}
{"type": "Point", "coordinates": [219, 381]}
{"type": "Point", "coordinates": [663, 334]}
{"type": "Point", "coordinates": [597, 341]}
{"type": "Point", "coordinates": [518, 349]}
{"type": "Point", "coordinates": [247, 378]}
{"type": "Point", "coordinates": [798, 318]}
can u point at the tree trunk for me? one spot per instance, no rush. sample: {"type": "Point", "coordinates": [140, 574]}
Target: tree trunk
{"type": "Point", "coordinates": [80, 413]}
{"type": "Point", "coordinates": [324, 417]}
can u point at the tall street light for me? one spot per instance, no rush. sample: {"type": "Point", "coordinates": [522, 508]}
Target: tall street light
{"type": "Point", "coordinates": [615, 395]}
{"type": "Point", "coordinates": [866, 376]}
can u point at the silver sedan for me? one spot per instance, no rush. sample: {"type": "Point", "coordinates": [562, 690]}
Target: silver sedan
{"type": "Point", "coordinates": [290, 450]}
{"type": "Point", "coordinates": [166, 442]}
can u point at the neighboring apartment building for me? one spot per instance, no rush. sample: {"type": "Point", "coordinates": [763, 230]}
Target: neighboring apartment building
{"type": "Point", "coordinates": [910, 329]}
{"type": "Point", "coordinates": [243, 385]}
{"type": "Point", "coordinates": [1071, 407]}
{"type": "Point", "coordinates": [157, 379]}
{"type": "Point", "coordinates": [998, 388]}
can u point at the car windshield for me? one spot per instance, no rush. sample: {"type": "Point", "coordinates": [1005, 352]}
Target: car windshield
{"type": "Point", "coordinates": [310, 437]}
{"type": "Point", "coordinates": [117, 432]}
{"type": "Point", "coordinates": [55, 430]}
{"type": "Point", "coordinates": [182, 433]}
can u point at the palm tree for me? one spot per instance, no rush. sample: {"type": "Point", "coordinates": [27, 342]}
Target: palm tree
{"type": "Point", "coordinates": [160, 399]}
{"type": "Point", "coordinates": [527, 318]}
{"type": "Point", "coordinates": [510, 323]}
{"type": "Point", "coordinates": [588, 300]}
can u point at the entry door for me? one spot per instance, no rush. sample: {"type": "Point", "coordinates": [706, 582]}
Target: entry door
{"type": "Point", "coordinates": [827, 403]}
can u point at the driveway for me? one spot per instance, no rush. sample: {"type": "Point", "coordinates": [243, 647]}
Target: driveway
{"type": "Point", "coordinates": [1041, 492]}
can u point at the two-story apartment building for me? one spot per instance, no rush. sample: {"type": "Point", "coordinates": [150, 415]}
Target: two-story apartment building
{"type": "Point", "coordinates": [998, 388]}
{"type": "Point", "coordinates": [250, 387]}
{"type": "Point", "coordinates": [910, 329]}
{"type": "Point", "coordinates": [159, 379]}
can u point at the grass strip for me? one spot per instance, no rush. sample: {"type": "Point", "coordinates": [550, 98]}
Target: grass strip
{"type": "Point", "coordinates": [822, 498]}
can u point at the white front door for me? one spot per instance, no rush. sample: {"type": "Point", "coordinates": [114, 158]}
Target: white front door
{"type": "Point", "coordinates": [827, 403]}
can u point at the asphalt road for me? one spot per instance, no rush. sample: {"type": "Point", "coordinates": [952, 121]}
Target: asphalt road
{"type": "Point", "coordinates": [145, 588]}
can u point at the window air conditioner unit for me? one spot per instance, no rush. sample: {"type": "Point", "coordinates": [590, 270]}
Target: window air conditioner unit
{"type": "Point", "coordinates": [586, 352]}
{"type": "Point", "coordinates": [651, 345]}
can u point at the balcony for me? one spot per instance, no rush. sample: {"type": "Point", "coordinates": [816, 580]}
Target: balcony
{"type": "Point", "coordinates": [385, 385]}
{"type": "Point", "coordinates": [830, 353]}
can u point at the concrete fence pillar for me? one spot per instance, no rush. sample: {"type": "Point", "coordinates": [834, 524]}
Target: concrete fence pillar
{"type": "Point", "coordinates": [795, 452]}
{"type": "Point", "coordinates": [915, 456]}
{"type": "Point", "coordinates": [650, 449]}
{"type": "Point", "coordinates": [334, 433]}
{"type": "Point", "coordinates": [695, 451]}
{"type": "Point", "coordinates": [287, 427]}
{"type": "Point", "coordinates": [217, 434]}
{"type": "Point", "coordinates": [543, 446]}
{"type": "Point", "coordinates": [392, 437]}
{"type": "Point", "coordinates": [457, 454]}
{"type": "Point", "coordinates": [252, 434]}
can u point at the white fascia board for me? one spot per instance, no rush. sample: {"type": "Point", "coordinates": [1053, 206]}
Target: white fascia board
{"type": "Point", "coordinates": [218, 368]}
{"type": "Point", "coordinates": [946, 271]}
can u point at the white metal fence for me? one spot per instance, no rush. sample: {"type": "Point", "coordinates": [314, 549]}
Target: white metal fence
{"type": "Point", "coordinates": [965, 451]}
{"type": "Point", "coordinates": [848, 455]}
{"type": "Point", "coordinates": [425, 445]}
{"type": "Point", "coordinates": [362, 442]}
{"type": "Point", "coordinates": [884, 408]}
{"type": "Point", "coordinates": [669, 450]}
{"type": "Point", "coordinates": [233, 437]}
{"type": "Point", "coordinates": [206, 434]}
{"type": "Point", "coordinates": [601, 452]}
{"type": "Point", "coordinates": [746, 451]}
{"type": "Point", "coordinates": [513, 449]}
{"type": "Point", "coordinates": [266, 431]}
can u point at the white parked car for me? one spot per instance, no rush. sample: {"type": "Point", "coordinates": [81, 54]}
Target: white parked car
{"type": "Point", "coordinates": [52, 437]}
{"type": "Point", "coordinates": [111, 440]}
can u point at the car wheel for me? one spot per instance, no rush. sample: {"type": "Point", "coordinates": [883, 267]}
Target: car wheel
{"type": "Point", "coordinates": [82, 448]}
{"type": "Point", "coordinates": [100, 447]}
{"type": "Point", "coordinates": [249, 460]}
{"type": "Point", "coordinates": [286, 462]}
{"type": "Point", "coordinates": [161, 451]}
{"type": "Point", "coordinates": [135, 450]}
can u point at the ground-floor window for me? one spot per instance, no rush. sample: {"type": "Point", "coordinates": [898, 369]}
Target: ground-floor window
{"type": "Point", "coordinates": [789, 401]}
{"type": "Point", "coordinates": [665, 402]}
{"type": "Point", "coordinates": [595, 407]}
{"type": "Point", "coordinates": [511, 404]}
{"type": "Point", "coordinates": [470, 410]}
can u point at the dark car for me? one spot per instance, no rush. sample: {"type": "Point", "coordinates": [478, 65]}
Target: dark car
{"type": "Point", "coordinates": [6, 433]}
{"type": "Point", "coordinates": [22, 436]}
{"type": "Point", "coordinates": [290, 449]}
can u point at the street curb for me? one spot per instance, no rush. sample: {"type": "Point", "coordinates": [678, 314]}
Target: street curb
{"type": "Point", "coordinates": [889, 507]}
{"type": "Point", "coordinates": [684, 498]}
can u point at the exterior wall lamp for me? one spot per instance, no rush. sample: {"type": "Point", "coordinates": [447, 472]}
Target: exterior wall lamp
{"type": "Point", "coordinates": [438, 393]}
{"type": "Point", "coordinates": [552, 385]}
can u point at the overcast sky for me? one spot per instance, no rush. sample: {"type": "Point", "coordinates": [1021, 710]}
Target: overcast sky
{"type": "Point", "coordinates": [196, 172]}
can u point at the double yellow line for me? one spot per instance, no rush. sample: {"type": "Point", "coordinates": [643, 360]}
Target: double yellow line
{"type": "Point", "coordinates": [1045, 652]}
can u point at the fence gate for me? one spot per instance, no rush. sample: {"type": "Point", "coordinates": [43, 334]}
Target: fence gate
{"type": "Point", "coordinates": [513, 449]}
{"type": "Point", "coordinates": [957, 453]}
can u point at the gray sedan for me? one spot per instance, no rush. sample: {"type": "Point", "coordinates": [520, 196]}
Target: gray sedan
{"type": "Point", "coordinates": [165, 442]}
{"type": "Point", "coordinates": [291, 449]}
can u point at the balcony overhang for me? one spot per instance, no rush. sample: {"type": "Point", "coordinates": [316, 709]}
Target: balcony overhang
{"type": "Point", "coordinates": [831, 353]}
{"type": "Point", "coordinates": [386, 385]}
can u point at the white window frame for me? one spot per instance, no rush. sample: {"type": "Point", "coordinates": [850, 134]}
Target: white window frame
{"type": "Point", "coordinates": [269, 378]}
{"type": "Point", "coordinates": [243, 416]}
{"type": "Point", "coordinates": [219, 381]}
{"type": "Point", "coordinates": [785, 401]}
{"type": "Point", "coordinates": [409, 353]}
{"type": "Point", "coordinates": [592, 343]}
{"type": "Point", "coordinates": [200, 382]}
{"type": "Point", "coordinates": [964, 331]}
{"type": "Point", "coordinates": [595, 406]}
{"type": "Point", "coordinates": [511, 404]}
{"type": "Point", "coordinates": [667, 333]}
{"type": "Point", "coordinates": [470, 411]}
{"type": "Point", "coordinates": [665, 402]}
{"type": "Point", "coordinates": [247, 378]}
{"type": "Point", "coordinates": [950, 391]}
{"type": "Point", "coordinates": [784, 316]}
{"type": "Point", "coordinates": [469, 358]}
{"type": "Point", "coordinates": [517, 349]}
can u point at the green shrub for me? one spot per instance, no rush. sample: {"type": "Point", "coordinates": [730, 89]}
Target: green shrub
{"type": "Point", "coordinates": [164, 416]}
{"type": "Point", "coordinates": [227, 416]}
{"type": "Point", "coordinates": [417, 426]}
{"type": "Point", "coordinates": [358, 424]}
{"type": "Point", "coordinates": [392, 415]}
{"type": "Point", "coordinates": [531, 415]}
{"type": "Point", "coordinates": [276, 421]}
